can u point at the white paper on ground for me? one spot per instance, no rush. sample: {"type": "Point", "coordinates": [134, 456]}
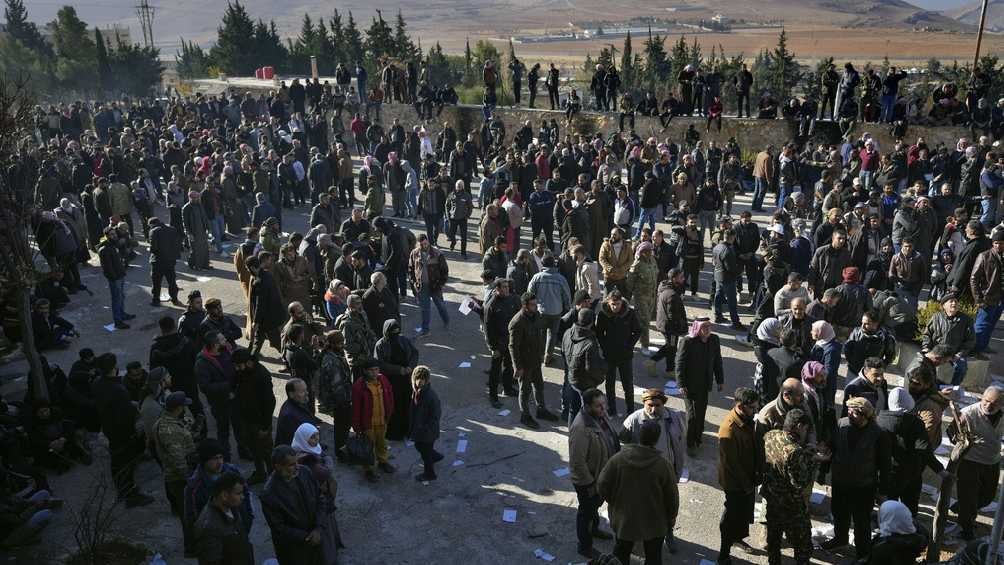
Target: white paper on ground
{"type": "Point", "coordinates": [203, 279]}
{"type": "Point", "coordinates": [541, 554]}
{"type": "Point", "coordinates": [505, 412]}
{"type": "Point", "coordinates": [110, 327]}
{"type": "Point", "coordinates": [685, 476]}
{"type": "Point", "coordinates": [509, 515]}
{"type": "Point", "coordinates": [561, 472]}
{"type": "Point", "coordinates": [457, 463]}
{"type": "Point", "coordinates": [464, 365]}
{"type": "Point", "coordinates": [462, 446]}
{"type": "Point", "coordinates": [465, 305]}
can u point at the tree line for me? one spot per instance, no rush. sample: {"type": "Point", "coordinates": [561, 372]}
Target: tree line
{"type": "Point", "coordinates": [75, 59]}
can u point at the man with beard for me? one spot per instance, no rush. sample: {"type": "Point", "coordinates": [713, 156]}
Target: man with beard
{"type": "Point", "coordinates": [335, 384]}
{"type": "Point", "coordinates": [176, 353]}
{"type": "Point", "coordinates": [980, 464]}
{"type": "Point", "coordinates": [670, 316]}
{"type": "Point", "coordinates": [986, 283]}
{"type": "Point", "coordinates": [618, 329]}
{"type": "Point", "coordinates": [355, 225]}
{"type": "Point", "coordinates": [965, 259]}
{"type": "Point", "coordinates": [360, 339]}
{"type": "Point", "coordinates": [591, 443]}
{"type": "Point", "coordinates": [952, 327]}
{"type": "Point", "coordinates": [698, 365]}
{"type": "Point", "coordinates": [398, 357]}
{"type": "Point", "coordinates": [790, 397]}
{"type": "Point", "coordinates": [165, 248]}
{"type": "Point", "coordinates": [870, 339]}
{"type": "Point", "coordinates": [738, 453]}
{"type": "Point", "coordinates": [791, 466]}
{"type": "Point", "coordinates": [380, 302]}
{"type": "Point", "coordinates": [197, 230]}
{"type": "Point", "coordinates": [293, 276]}
{"type": "Point", "coordinates": [828, 264]}
{"type": "Point", "coordinates": [255, 403]}
{"type": "Point", "coordinates": [799, 323]}
{"type": "Point", "coordinates": [921, 377]}
{"type": "Point", "coordinates": [300, 362]}
{"type": "Point", "coordinates": [860, 471]}
{"type": "Point", "coordinates": [217, 321]}
{"type": "Point", "coordinates": [215, 371]}
{"type": "Point", "coordinates": [291, 503]}
{"type": "Point", "coordinates": [266, 311]}
{"type": "Point", "coordinates": [526, 348]}
{"type": "Point", "coordinates": [870, 384]}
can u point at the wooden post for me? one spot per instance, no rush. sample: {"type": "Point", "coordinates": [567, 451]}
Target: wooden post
{"type": "Point", "coordinates": [979, 34]}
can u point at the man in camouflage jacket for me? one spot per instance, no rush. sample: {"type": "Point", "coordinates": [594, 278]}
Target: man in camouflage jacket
{"type": "Point", "coordinates": [790, 470]}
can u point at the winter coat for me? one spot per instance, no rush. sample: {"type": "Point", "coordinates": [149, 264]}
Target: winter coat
{"type": "Point", "coordinates": [165, 245]}
{"type": "Point", "coordinates": [987, 279]}
{"type": "Point", "coordinates": [698, 364]}
{"type": "Point", "coordinates": [362, 403]}
{"type": "Point", "coordinates": [826, 267]}
{"type": "Point", "coordinates": [551, 290]}
{"type": "Point", "coordinates": [426, 411]}
{"type": "Point", "coordinates": [395, 352]}
{"type": "Point", "coordinates": [526, 340]}
{"type": "Point", "coordinates": [586, 366]}
{"type": "Point", "coordinates": [641, 491]}
{"type": "Point", "coordinates": [591, 443]}
{"type": "Point", "coordinates": [359, 336]}
{"type": "Point", "coordinates": [587, 277]}
{"type": "Point", "coordinates": [616, 265]}
{"type": "Point", "coordinates": [671, 315]}
{"type": "Point", "coordinates": [642, 281]}
{"type": "Point", "coordinates": [618, 332]}
{"type": "Point", "coordinates": [293, 509]}
{"type": "Point", "coordinates": [737, 454]}
{"type": "Point", "coordinates": [955, 332]}
{"type": "Point", "coordinates": [435, 263]}
{"type": "Point", "coordinates": [380, 306]}
{"type": "Point", "coordinates": [862, 345]}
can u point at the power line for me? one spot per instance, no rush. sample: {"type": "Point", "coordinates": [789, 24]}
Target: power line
{"type": "Point", "coordinates": [144, 11]}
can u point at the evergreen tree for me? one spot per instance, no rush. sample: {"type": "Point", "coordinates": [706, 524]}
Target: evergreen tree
{"type": "Point", "coordinates": [192, 61]}
{"type": "Point", "coordinates": [238, 40]}
{"type": "Point", "coordinates": [75, 50]}
{"type": "Point", "coordinates": [657, 67]}
{"type": "Point", "coordinates": [337, 38]}
{"type": "Point", "coordinates": [439, 67]}
{"type": "Point", "coordinates": [104, 68]}
{"type": "Point", "coordinates": [785, 70]}
{"type": "Point", "coordinates": [353, 42]}
{"type": "Point", "coordinates": [303, 47]}
{"type": "Point", "coordinates": [19, 28]}
{"type": "Point", "coordinates": [627, 63]}
{"type": "Point", "coordinates": [679, 58]}
{"type": "Point", "coordinates": [695, 54]}
{"type": "Point", "coordinates": [136, 70]}
{"type": "Point", "coordinates": [380, 39]}
{"type": "Point", "coordinates": [468, 64]}
{"type": "Point", "coordinates": [404, 48]}
{"type": "Point", "coordinates": [326, 57]}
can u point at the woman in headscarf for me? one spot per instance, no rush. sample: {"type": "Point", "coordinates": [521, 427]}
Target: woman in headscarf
{"type": "Point", "coordinates": [814, 380]}
{"type": "Point", "coordinates": [768, 336]}
{"type": "Point", "coordinates": [642, 280]}
{"type": "Point", "coordinates": [900, 540]}
{"type": "Point", "coordinates": [827, 351]}
{"type": "Point", "coordinates": [307, 444]}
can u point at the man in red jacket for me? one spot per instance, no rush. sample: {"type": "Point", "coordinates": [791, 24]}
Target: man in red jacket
{"type": "Point", "coordinates": [372, 406]}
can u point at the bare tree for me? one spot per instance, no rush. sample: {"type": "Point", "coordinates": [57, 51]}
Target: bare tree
{"type": "Point", "coordinates": [94, 522]}
{"type": "Point", "coordinates": [18, 249]}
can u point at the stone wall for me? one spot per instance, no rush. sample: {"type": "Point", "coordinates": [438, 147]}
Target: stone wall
{"type": "Point", "coordinates": [751, 134]}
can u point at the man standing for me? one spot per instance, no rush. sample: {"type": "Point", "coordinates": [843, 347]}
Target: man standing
{"type": "Point", "coordinates": [552, 86]}
{"type": "Point", "coordinates": [526, 348]}
{"type": "Point", "coordinates": [459, 205]}
{"type": "Point", "coordinates": [113, 268]}
{"type": "Point", "coordinates": [175, 448]}
{"type": "Point", "coordinates": [870, 384]}
{"type": "Point", "coordinates": [952, 327]}
{"type": "Point", "coordinates": [429, 272]}
{"type": "Point", "coordinates": [911, 450]}
{"type": "Point", "coordinates": [266, 309]}
{"type": "Point", "coordinates": [221, 534]}
{"type": "Point", "coordinates": [790, 471]}
{"type": "Point", "coordinates": [359, 336]}
{"type": "Point", "coordinates": [291, 503]}
{"type": "Point", "coordinates": [738, 455]}
{"type": "Point", "coordinates": [197, 229]}
{"type": "Point", "coordinates": [585, 366]}
{"type": "Point", "coordinates": [861, 459]}
{"type": "Point", "coordinates": [618, 329]}
{"type": "Point", "coordinates": [214, 369]}
{"type": "Point", "coordinates": [828, 264]}
{"type": "Point", "coordinates": [908, 271]}
{"type": "Point", "coordinates": [553, 298]}
{"type": "Point", "coordinates": [372, 407]}
{"type": "Point", "coordinates": [119, 424]}
{"type": "Point", "coordinates": [591, 442]}
{"type": "Point", "coordinates": [165, 248]}
{"type": "Point", "coordinates": [616, 257]}
{"type": "Point", "coordinates": [980, 464]}
{"type": "Point", "coordinates": [293, 412]}
{"type": "Point", "coordinates": [743, 81]}
{"type": "Point", "coordinates": [698, 365]}
{"type": "Point", "coordinates": [642, 496]}
{"type": "Point", "coordinates": [763, 176]}
{"type": "Point", "coordinates": [987, 282]}
{"type": "Point", "coordinates": [254, 405]}
{"type": "Point", "coordinates": [727, 273]}
{"type": "Point", "coordinates": [499, 310]}
{"type": "Point", "coordinates": [670, 316]}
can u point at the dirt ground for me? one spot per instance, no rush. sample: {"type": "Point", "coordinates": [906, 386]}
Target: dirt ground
{"type": "Point", "coordinates": [456, 519]}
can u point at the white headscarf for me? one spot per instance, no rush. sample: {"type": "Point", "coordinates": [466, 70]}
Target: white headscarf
{"type": "Point", "coordinates": [895, 518]}
{"type": "Point", "coordinates": [301, 439]}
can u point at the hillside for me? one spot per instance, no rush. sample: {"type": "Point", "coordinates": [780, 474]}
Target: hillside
{"type": "Point", "coordinates": [450, 20]}
{"type": "Point", "coordinates": [970, 14]}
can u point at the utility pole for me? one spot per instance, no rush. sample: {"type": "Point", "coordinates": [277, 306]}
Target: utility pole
{"type": "Point", "coordinates": [144, 11]}
{"type": "Point", "coordinates": [979, 34]}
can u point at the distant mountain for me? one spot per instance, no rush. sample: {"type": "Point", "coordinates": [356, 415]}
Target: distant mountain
{"type": "Point", "coordinates": [970, 14]}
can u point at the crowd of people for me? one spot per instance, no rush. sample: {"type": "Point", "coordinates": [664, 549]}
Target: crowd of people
{"type": "Point", "coordinates": [834, 278]}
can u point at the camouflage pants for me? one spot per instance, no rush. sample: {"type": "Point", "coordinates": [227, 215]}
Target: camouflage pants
{"type": "Point", "coordinates": [793, 522]}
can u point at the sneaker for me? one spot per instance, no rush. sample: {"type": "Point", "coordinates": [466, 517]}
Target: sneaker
{"type": "Point", "coordinates": [137, 499]}
{"type": "Point", "coordinates": [544, 414]}
{"type": "Point", "coordinates": [121, 326]}
{"type": "Point", "coordinates": [528, 421]}
{"type": "Point", "coordinates": [833, 543]}
{"type": "Point", "coordinates": [387, 468]}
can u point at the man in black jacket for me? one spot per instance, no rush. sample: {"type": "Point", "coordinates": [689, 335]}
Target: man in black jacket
{"type": "Point", "coordinates": [254, 404]}
{"type": "Point", "coordinates": [587, 369]}
{"type": "Point", "coordinates": [395, 250]}
{"type": "Point", "coordinates": [165, 248]}
{"type": "Point", "coordinates": [291, 502]}
{"type": "Point", "coordinates": [113, 268]}
{"type": "Point", "coordinates": [118, 422]}
{"type": "Point", "coordinates": [293, 412]}
{"type": "Point", "coordinates": [698, 365]}
{"type": "Point", "coordinates": [727, 272]}
{"type": "Point", "coordinates": [618, 330]}
{"type": "Point", "coordinates": [266, 311]}
{"type": "Point", "coordinates": [217, 321]}
{"type": "Point", "coordinates": [671, 315]}
{"type": "Point", "coordinates": [526, 347]}
{"type": "Point", "coordinates": [214, 370]}
{"type": "Point", "coordinates": [498, 312]}
{"type": "Point", "coordinates": [911, 448]}
{"type": "Point", "coordinates": [176, 353]}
